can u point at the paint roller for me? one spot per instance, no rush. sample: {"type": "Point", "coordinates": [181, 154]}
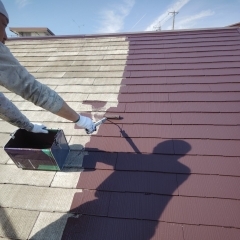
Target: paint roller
{"type": "Point", "coordinates": [101, 121]}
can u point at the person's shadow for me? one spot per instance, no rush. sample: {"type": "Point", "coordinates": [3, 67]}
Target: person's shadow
{"type": "Point", "coordinates": [111, 211]}
{"type": "Point", "coordinates": [126, 204]}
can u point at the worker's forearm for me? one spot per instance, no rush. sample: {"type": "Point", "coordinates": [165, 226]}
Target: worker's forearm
{"type": "Point", "coordinates": [17, 79]}
{"type": "Point", "coordinates": [67, 113]}
{"type": "Point", "coordinates": [10, 113]}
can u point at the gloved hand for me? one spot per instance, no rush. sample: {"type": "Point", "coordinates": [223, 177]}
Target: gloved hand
{"type": "Point", "coordinates": [86, 123]}
{"type": "Point", "coordinates": [39, 128]}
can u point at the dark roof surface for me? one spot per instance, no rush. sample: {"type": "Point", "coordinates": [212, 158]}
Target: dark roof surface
{"type": "Point", "coordinates": [177, 147]}
{"type": "Point", "coordinates": [170, 169]}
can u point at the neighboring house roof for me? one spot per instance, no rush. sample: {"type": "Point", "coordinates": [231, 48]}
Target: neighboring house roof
{"type": "Point", "coordinates": [235, 25]}
{"type": "Point", "coordinates": [170, 169]}
{"type": "Point", "coordinates": [32, 31]}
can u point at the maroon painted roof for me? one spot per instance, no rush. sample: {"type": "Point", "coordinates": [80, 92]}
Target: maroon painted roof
{"type": "Point", "coordinates": [170, 169]}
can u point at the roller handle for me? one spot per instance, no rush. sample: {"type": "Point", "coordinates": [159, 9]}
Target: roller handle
{"type": "Point", "coordinates": [95, 126]}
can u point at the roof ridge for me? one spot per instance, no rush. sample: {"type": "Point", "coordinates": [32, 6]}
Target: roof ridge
{"type": "Point", "coordinates": [121, 34]}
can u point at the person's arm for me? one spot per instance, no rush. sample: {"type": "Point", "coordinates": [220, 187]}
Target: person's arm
{"type": "Point", "coordinates": [10, 113]}
{"type": "Point", "coordinates": [82, 121]}
{"type": "Point", "coordinates": [17, 79]}
{"type": "Point", "coordinates": [68, 113]}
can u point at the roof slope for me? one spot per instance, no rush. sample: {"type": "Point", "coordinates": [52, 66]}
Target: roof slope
{"type": "Point", "coordinates": [169, 169]}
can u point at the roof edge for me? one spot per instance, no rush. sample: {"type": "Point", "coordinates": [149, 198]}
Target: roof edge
{"type": "Point", "coordinates": [234, 25]}
{"type": "Point", "coordinates": [119, 34]}
{"type": "Point", "coordinates": [30, 29]}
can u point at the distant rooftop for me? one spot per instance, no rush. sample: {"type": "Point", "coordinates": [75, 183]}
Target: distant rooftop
{"type": "Point", "coordinates": [235, 25]}
{"type": "Point", "coordinates": [27, 32]}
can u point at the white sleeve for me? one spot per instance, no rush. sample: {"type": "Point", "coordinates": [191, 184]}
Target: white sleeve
{"type": "Point", "coordinates": [10, 113]}
{"type": "Point", "coordinates": [17, 79]}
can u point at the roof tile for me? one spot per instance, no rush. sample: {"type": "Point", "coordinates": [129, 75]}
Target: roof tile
{"type": "Point", "coordinates": [206, 232]}
{"type": "Point", "coordinates": [183, 131]}
{"type": "Point", "coordinates": [212, 107]}
{"type": "Point", "coordinates": [131, 145]}
{"type": "Point", "coordinates": [113, 228]}
{"type": "Point", "coordinates": [175, 209]}
{"type": "Point", "coordinates": [211, 147]}
{"type": "Point", "coordinates": [209, 186]}
{"type": "Point", "coordinates": [121, 181]}
{"type": "Point", "coordinates": [206, 118]}
{"type": "Point", "coordinates": [19, 226]}
{"type": "Point", "coordinates": [91, 202]}
{"type": "Point", "coordinates": [151, 162]}
{"type": "Point", "coordinates": [208, 97]}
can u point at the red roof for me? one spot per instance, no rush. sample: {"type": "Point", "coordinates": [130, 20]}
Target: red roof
{"type": "Point", "coordinates": [170, 169]}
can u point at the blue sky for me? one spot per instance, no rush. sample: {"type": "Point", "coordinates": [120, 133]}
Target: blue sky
{"type": "Point", "coordinates": [68, 17]}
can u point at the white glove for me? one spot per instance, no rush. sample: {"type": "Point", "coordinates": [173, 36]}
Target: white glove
{"type": "Point", "coordinates": [86, 123]}
{"type": "Point", "coordinates": [39, 128]}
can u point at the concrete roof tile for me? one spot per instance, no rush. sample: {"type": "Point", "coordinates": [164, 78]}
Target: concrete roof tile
{"type": "Point", "coordinates": [35, 54]}
{"type": "Point", "coordinates": [52, 82]}
{"type": "Point", "coordinates": [88, 89]}
{"type": "Point", "coordinates": [24, 105]}
{"type": "Point", "coordinates": [36, 198]}
{"type": "Point", "coordinates": [17, 223]}
{"type": "Point", "coordinates": [4, 157]}
{"type": "Point", "coordinates": [4, 90]}
{"type": "Point", "coordinates": [112, 97]}
{"type": "Point", "coordinates": [12, 175]}
{"type": "Point", "coordinates": [49, 75]}
{"type": "Point", "coordinates": [9, 95]}
{"type": "Point", "coordinates": [4, 139]}
{"type": "Point", "coordinates": [75, 161]}
{"type": "Point", "coordinates": [88, 57]}
{"type": "Point", "coordinates": [112, 68]}
{"type": "Point", "coordinates": [68, 178]}
{"type": "Point", "coordinates": [115, 57]}
{"type": "Point", "coordinates": [52, 223]}
{"type": "Point", "coordinates": [36, 59]}
{"type": "Point", "coordinates": [106, 81]}
{"type": "Point", "coordinates": [33, 69]}
{"type": "Point", "coordinates": [69, 69]}
{"type": "Point", "coordinates": [78, 142]}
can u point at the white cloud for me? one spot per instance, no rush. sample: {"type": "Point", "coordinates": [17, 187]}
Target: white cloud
{"type": "Point", "coordinates": [112, 20]}
{"type": "Point", "coordinates": [165, 16]}
{"type": "Point", "coordinates": [22, 3]}
{"type": "Point", "coordinates": [190, 21]}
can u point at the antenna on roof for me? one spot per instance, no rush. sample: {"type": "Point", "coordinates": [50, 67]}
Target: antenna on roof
{"type": "Point", "coordinates": [174, 13]}
{"type": "Point", "coordinates": [78, 25]}
{"type": "Point", "coordinates": [157, 28]}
